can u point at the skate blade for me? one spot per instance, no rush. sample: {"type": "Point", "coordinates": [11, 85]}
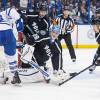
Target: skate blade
{"type": "Point", "coordinates": [4, 80]}
{"type": "Point", "coordinates": [65, 76]}
{"type": "Point", "coordinates": [18, 84]}
{"type": "Point", "coordinates": [90, 72]}
{"type": "Point", "coordinates": [47, 80]}
{"type": "Point", "coordinates": [59, 79]}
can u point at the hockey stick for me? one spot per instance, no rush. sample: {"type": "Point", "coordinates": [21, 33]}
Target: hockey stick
{"type": "Point", "coordinates": [34, 64]}
{"type": "Point", "coordinates": [76, 74]}
{"type": "Point", "coordinates": [44, 73]}
{"type": "Point", "coordinates": [38, 67]}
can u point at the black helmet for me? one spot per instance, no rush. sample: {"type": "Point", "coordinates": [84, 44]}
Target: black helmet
{"type": "Point", "coordinates": [43, 11]}
{"type": "Point", "coordinates": [64, 7]}
{"type": "Point", "coordinates": [97, 11]}
{"type": "Point", "coordinates": [43, 8]}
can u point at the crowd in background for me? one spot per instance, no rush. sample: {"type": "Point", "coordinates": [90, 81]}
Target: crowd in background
{"type": "Point", "coordinates": [94, 5]}
{"type": "Point", "coordinates": [80, 9]}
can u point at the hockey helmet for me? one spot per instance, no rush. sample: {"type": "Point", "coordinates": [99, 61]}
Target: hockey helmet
{"type": "Point", "coordinates": [64, 7]}
{"type": "Point", "coordinates": [66, 11]}
{"type": "Point", "coordinates": [42, 11]}
{"type": "Point", "coordinates": [43, 8]}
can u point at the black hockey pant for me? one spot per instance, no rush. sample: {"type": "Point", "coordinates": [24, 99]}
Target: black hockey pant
{"type": "Point", "coordinates": [42, 52]}
{"type": "Point", "coordinates": [97, 55]}
{"type": "Point", "coordinates": [68, 41]}
{"type": "Point", "coordinates": [56, 58]}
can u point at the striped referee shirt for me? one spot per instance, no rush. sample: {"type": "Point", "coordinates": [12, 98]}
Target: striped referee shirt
{"type": "Point", "coordinates": [66, 25]}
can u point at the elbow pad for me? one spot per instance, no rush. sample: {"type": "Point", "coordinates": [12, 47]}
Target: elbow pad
{"type": "Point", "coordinates": [20, 25]}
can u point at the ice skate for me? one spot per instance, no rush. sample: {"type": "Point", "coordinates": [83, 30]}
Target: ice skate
{"type": "Point", "coordinates": [56, 76]}
{"type": "Point", "coordinates": [73, 59]}
{"type": "Point", "coordinates": [97, 63]}
{"type": "Point", "coordinates": [55, 72]}
{"type": "Point", "coordinates": [3, 80]}
{"type": "Point", "coordinates": [16, 80]}
{"type": "Point", "coordinates": [59, 75]}
{"type": "Point", "coordinates": [46, 78]}
{"type": "Point", "coordinates": [62, 73]}
{"type": "Point", "coordinates": [92, 68]}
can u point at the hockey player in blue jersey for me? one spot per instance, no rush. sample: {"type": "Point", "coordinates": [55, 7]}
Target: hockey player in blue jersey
{"type": "Point", "coordinates": [8, 17]}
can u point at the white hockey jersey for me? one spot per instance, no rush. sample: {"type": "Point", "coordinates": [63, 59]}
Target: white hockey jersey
{"type": "Point", "coordinates": [7, 18]}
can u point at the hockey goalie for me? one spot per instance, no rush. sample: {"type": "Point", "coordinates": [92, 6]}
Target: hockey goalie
{"type": "Point", "coordinates": [36, 33]}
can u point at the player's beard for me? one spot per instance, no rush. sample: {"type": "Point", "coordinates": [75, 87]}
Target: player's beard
{"type": "Point", "coordinates": [42, 14]}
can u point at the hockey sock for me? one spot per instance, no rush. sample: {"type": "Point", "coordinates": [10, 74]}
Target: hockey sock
{"type": "Point", "coordinates": [12, 63]}
{"type": "Point", "coordinates": [97, 35]}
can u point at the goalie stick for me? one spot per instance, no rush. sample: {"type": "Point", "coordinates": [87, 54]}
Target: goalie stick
{"type": "Point", "coordinates": [44, 73]}
{"type": "Point", "coordinates": [76, 74]}
{"type": "Point", "coordinates": [35, 65]}
{"type": "Point", "coordinates": [32, 63]}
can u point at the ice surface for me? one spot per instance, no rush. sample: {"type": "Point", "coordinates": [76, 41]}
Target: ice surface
{"type": "Point", "coordinates": [84, 87]}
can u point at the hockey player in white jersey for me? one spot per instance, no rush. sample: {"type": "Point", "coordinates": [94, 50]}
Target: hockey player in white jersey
{"type": "Point", "coordinates": [8, 17]}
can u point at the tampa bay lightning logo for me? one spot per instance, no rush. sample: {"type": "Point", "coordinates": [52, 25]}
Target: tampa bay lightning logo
{"type": "Point", "coordinates": [42, 32]}
{"type": "Point", "coordinates": [91, 34]}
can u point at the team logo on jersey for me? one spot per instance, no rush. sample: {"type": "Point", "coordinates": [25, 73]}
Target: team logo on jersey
{"type": "Point", "coordinates": [48, 51]}
{"type": "Point", "coordinates": [36, 36]}
{"type": "Point", "coordinates": [42, 32]}
{"type": "Point", "coordinates": [35, 27]}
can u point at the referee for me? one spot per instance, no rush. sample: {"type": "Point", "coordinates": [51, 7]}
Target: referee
{"type": "Point", "coordinates": [66, 25]}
